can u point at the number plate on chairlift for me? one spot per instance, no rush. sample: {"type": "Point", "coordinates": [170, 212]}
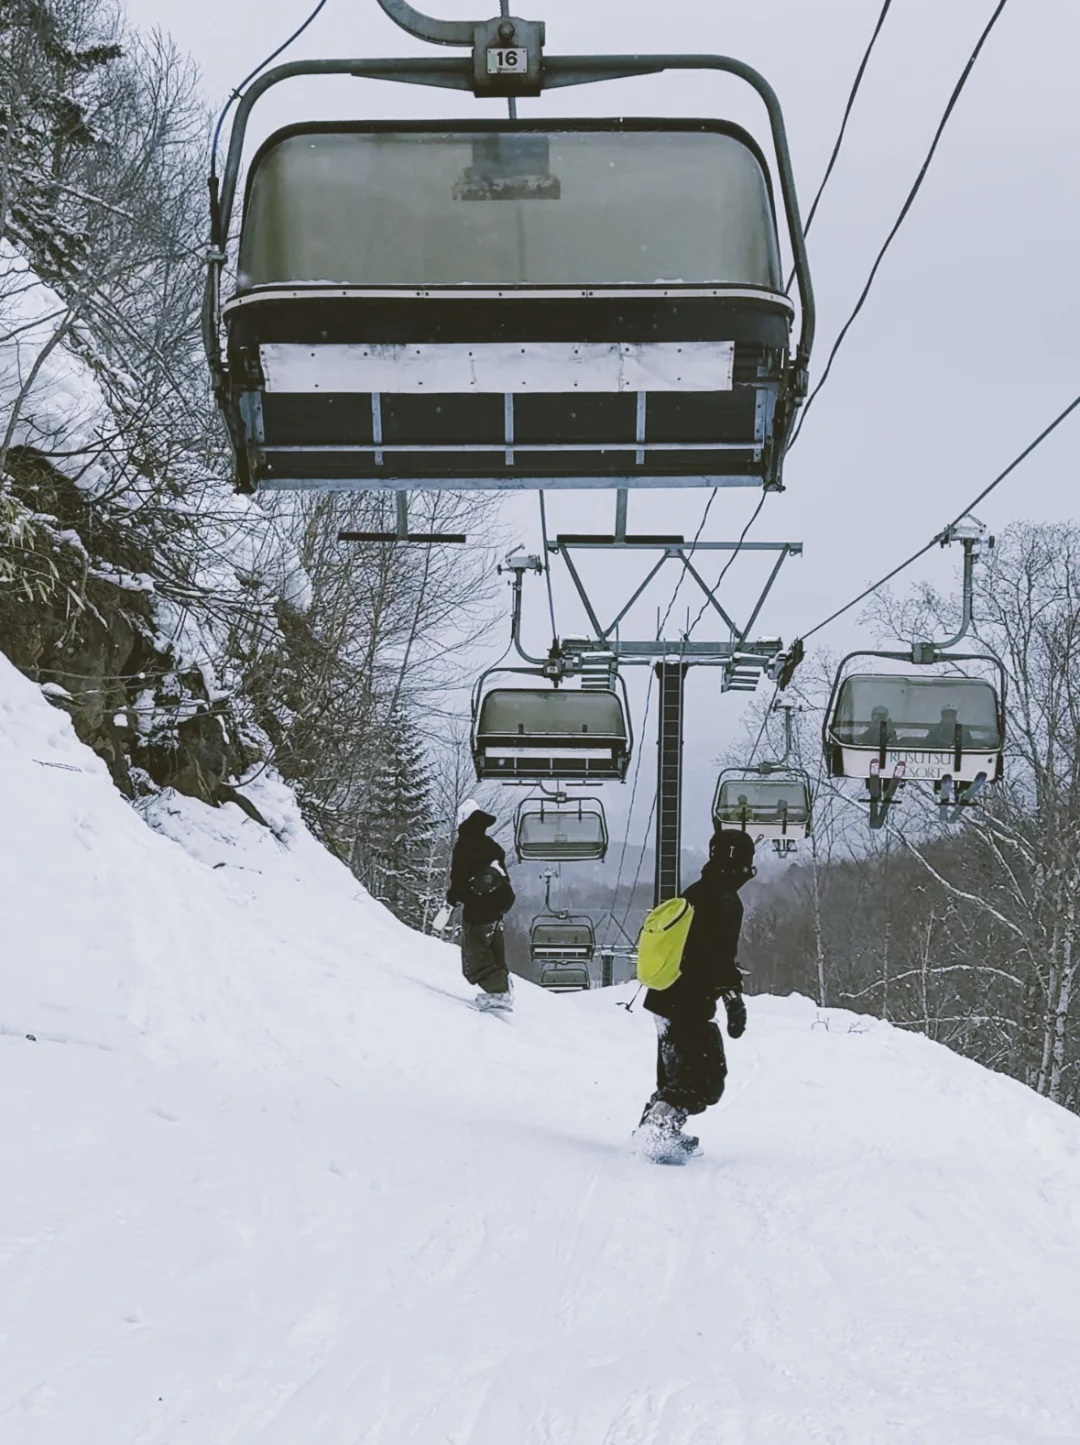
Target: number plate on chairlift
{"type": "Point", "coordinates": [508, 62]}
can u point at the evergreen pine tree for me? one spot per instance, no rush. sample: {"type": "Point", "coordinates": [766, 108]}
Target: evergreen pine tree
{"type": "Point", "coordinates": [394, 839]}
{"type": "Point", "coordinates": [47, 91]}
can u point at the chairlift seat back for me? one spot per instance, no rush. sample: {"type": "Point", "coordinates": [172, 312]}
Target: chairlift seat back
{"type": "Point", "coordinates": [530, 734]}
{"type": "Point", "coordinates": [562, 938]}
{"type": "Point", "coordinates": [925, 724]}
{"type": "Point", "coordinates": [508, 304]}
{"type": "Point", "coordinates": [561, 833]}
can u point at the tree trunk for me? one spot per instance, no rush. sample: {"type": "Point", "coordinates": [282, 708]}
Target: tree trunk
{"type": "Point", "coordinates": [1066, 977]}
{"type": "Point", "coordinates": [819, 930]}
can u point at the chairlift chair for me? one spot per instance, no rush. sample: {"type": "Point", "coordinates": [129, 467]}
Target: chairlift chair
{"type": "Point", "coordinates": [507, 303]}
{"type": "Point", "coordinates": [562, 946]}
{"type": "Point", "coordinates": [560, 830]}
{"type": "Point", "coordinates": [559, 977]}
{"type": "Point", "coordinates": [523, 735]}
{"type": "Point", "coordinates": [892, 728]}
{"type": "Point", "coordinates": [771, 807]}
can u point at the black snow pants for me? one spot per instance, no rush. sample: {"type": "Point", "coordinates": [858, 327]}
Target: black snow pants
{"type": "Point", "coordinates": [690, 1064]}
{"type": "Point", "coordinates": [483, 956]}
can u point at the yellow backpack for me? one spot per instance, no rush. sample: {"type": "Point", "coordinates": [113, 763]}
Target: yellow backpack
{"type": "Point", "coordinates": [661, 942]}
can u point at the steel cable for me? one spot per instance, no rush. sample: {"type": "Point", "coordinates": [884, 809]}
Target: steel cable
{"type": "Point", "coordinates": [904, 210]}
{"type": "Point", "coordinates": [843, 126]}
{"type": "Point", "coordinates": [239, 90]}
{"type": "Point", "coordinates": [970, 507]}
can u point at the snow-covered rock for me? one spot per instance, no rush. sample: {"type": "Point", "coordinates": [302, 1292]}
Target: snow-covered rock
{"type": "Point", "coordinates": [128, 627]}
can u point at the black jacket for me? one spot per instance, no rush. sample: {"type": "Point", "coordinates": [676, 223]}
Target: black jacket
{"type": "Point", "coordinates": [708, 963]}
{"type": "Point", "coordinates": [473, 852]}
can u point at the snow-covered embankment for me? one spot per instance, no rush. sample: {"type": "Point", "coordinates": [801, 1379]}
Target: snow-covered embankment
{"type": "Point", "coordinates": [268, 1180]}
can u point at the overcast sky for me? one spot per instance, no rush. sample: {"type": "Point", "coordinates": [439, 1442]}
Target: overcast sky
{"type": "Point", "coordinates": [965, 349]}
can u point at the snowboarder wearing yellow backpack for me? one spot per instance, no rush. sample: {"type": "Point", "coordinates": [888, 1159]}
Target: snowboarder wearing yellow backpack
{"type": "Point", "coordinates": [685, 984]}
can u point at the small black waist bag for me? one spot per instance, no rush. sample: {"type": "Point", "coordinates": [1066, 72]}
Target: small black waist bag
{"type": "Point", "coordinates": [490, 890]}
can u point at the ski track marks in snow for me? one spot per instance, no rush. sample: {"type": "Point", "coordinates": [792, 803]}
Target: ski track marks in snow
{"type": "Point", "coordinates": [268, 1182]}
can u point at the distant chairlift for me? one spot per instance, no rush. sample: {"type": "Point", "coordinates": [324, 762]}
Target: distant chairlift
{"type": "Point", "coordinates": [492, 303]}
{"type": "Point", "coordinates": [559, 829]}
{"type": "Point", "coordinates": [947, 729]}
{"type": "Point", "coordinates": [895, 728]}
{"type": "Point", "coordinates": [523, 735]}
{"type": "Point", "coordinates": [766, 807]}
{"type": "Point", "coordinates": [562, 945]}
{"type": "Point", "coordinates": [772, 800]}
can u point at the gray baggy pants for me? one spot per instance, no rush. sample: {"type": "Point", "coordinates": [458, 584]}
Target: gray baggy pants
{"type": "Point", "coordinates": [690, 1064]}
{"type": "Point", "coordinates": [483, 956]}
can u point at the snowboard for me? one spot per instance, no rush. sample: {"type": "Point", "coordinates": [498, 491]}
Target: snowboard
{"type": "Point", "coordinates": [499, 1010]}
{"type": "Point", "coordinates": [656, 1149]}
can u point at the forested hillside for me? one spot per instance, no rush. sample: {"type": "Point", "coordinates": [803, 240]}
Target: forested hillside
{"type": "Point", "coordinates": [967, 932]}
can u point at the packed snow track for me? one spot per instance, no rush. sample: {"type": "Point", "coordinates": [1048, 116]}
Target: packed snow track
{"type": "Point", "coordinates": [268, 1180]}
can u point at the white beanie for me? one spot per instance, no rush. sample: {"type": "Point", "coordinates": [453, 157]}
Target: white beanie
{"type": "Point", "coordinates": [467, 809]}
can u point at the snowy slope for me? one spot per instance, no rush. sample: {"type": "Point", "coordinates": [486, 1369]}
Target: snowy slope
{"type": "Point", "coordinates": [268, 1180]}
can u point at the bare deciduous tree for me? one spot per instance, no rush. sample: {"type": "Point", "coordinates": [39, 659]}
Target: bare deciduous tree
{"type": "Point", "coordinates": [969, 932]}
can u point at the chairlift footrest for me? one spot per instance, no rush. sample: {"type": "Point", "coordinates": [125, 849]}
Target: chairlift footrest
{"type": "Point", "coordinates": [429, 539]}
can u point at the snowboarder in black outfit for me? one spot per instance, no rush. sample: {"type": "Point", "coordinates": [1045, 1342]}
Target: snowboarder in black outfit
{"type": "Point", "coordinates": [480, 883]}
{"type": "Point", "coordinates": [690, 1065]}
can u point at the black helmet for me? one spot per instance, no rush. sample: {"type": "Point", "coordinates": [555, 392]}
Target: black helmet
{"type": "Point", "coordinates": [734, 851]}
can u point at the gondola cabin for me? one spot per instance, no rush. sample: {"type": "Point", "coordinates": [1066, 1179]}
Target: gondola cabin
{"type": "Point", "coordinates": [534, 734]}
{"type": "Point", "coordinates": [765, 807]}
{"type": "Point", "coordinates": [494, 304]}
{"type": "Point", "coordinates": [561, 832]}
{"type": "Point", "coordinates": [916, 728]}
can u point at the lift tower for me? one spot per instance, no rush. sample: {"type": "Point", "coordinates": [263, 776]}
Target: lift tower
{"type": "Point", "coordinates": [741, 661]}
{"type": "Point", "coordinates": [671, 677]}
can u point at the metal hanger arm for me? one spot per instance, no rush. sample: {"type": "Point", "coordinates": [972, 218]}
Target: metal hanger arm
{"type": "Point", "coordinates": [967, 615]}
{"type": "Point", "coordinates": [426, 27]}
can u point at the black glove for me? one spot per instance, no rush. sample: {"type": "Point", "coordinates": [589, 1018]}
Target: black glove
{"type": "Point", "coordinates": [736, 1014]}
